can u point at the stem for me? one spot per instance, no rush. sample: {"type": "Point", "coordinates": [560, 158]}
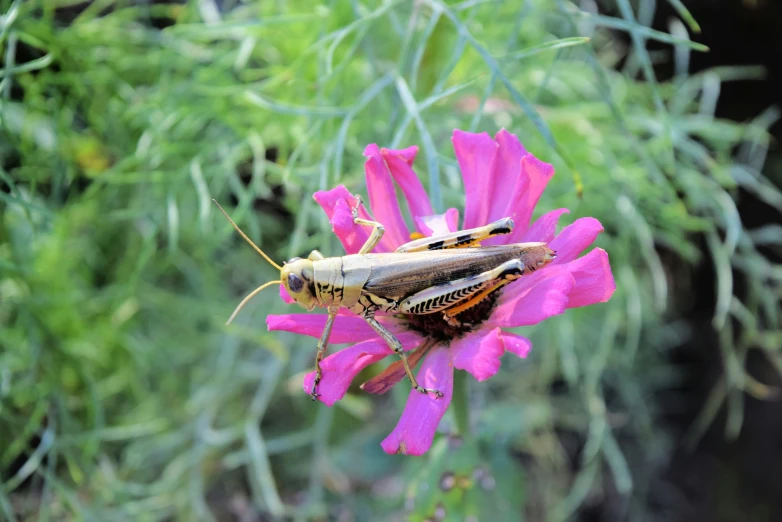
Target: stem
{"type": "Point", "coordinates": [461, 403]}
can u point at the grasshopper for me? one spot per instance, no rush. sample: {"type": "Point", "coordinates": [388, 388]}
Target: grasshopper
{"type": "Point", "coordinates": [445, 274]}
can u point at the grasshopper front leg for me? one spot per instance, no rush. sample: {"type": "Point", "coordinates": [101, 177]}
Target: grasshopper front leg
{"type": "Point", "coordinates": [395, 345]}
{"type": "Point", "coordinates": [377, 229]}
{"type": "Point", "coordinates": [322, 344]}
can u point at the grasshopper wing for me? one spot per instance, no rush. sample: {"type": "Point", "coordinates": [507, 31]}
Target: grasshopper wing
{"type": "Point", "coordinates": [398, 275]}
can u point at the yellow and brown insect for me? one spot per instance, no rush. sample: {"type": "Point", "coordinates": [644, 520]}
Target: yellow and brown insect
{"type": "Point", "coordinates": [445, 274]}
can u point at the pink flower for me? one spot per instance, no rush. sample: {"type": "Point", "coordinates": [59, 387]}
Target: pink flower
{"type": "Point", "coordinates": [501, 179]}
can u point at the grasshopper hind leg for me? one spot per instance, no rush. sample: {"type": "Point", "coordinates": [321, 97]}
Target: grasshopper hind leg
{"type": "Point", "coordinates": [459, 239]}
{"type": "Point", "coordinates": [455, 296]}
{"type": "Point", "coordinates": [395, 345]}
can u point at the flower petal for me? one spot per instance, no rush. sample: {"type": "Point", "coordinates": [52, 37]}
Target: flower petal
{"type": "Point", "coordinates": [338, 204]}
{"type": "Point", "coordinates": [439, 223]}
{"type": "Point", "coordinates": [352, 235]}
{"type": "Point", "coordinates": [575, 238]}
{"type": "Point", "coordinates": [532, 305]}
{"type": "Point", "coordinates": [382, 199]}
{"type": "Point", "coordinates": [407, 154]}
{"type": "Point", "coordinates": [328, 199]}
{"type": "Point", "coordinates": [534, 177]}
{"type": "Point", "coordinates": [340, 368]}
{"type": "Point", "coordinates": [507, 168]}
{"type": "Point", "coordinates": [544, 228]}
{"type": "Point", "coordinates": [478, 353]}
{"type": "Point", "coordinates": [347, 329]}
{"type": "Point", "coordinates": [515, 344]}
{"type": "Point", "coordinates": [285, 296]}
{"type": "Point", "coordinates": [476, 154]}
{"type": "Point", "coordinates": [400, 164]}
{"type": "Point", "coordinates": [594, 280]}
{"type": "Point", "coordinates": [415, 430]}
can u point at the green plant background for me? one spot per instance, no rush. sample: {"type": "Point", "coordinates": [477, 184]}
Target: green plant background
{"type": "Point", "coordinates": [124, 397]}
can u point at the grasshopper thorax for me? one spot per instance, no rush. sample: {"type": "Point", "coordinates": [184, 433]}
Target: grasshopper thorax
{"type": "Point", "coordinates": [297, 276]}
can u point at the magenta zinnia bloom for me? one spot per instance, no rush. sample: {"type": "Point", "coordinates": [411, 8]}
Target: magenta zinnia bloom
{"type": "Point", "coordinates": [501, 179]}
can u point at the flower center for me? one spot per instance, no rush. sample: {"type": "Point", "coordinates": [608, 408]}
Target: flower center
{"type": "Point", "coordinates": [434, 326]}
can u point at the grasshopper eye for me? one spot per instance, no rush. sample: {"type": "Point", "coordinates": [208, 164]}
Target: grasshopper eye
{"type": "Point", "coordinates": [295, 284]}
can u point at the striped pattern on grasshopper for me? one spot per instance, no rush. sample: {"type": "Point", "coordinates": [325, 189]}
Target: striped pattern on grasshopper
{"type": "Point", "coordinates": [444, 274]}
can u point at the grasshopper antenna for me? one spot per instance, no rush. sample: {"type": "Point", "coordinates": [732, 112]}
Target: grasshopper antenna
{"type": "Point", "coordinates": [252, 294]}
{"type": "Point", "coordinates": [267, 258]}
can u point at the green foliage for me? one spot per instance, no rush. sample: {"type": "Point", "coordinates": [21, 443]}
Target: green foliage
{"type": "Point", "coordinates": [123, 396]}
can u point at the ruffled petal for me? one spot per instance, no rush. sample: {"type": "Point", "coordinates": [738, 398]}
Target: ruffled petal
{"type": "Point", "coordinates": [594, 280]}
{"type": "Point", "coordinates": [531, 305]}
{"type": "Point", "coordinates": [544, 228]}
{"type": "Point", "coordinates": [400, 163]}
{"type": "Point", "coordinates": [575, 238]}
{"type": "Point", "coordinates": [328, 199]}
{"type": "Point", "coordinates": [515, 344]}
{"type": "Point", "coordinates": [338, 204]}
{"type": "Point", "coordinates": [476, 154]}
{"type": "Point", "coordinates": [285, 296]}
{"type": "Point", "coordinates": [534, 177]}
{"type": "Point", "coordinates": [478, 353]}
{"type": "Point", "coordinates": [439, 223]}
{"type": "Point", "coordinates": [407, 154]}
{"type": "Point", "coordinates": [415, 430]}
{"type": "Point", "coordinates": [382, 199]}
{"type": "Point", "coordinates": [507, 168]}
{"type": "Point", "coordinates": [347, 329]}
{"type": "Point", "coordinates": [352, 235]}
{"type": "Point", "coordinates": [339, 369]}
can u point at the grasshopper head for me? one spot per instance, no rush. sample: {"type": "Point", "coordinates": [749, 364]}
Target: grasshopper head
{"type": "Point", "coordinates": [297, 276]}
